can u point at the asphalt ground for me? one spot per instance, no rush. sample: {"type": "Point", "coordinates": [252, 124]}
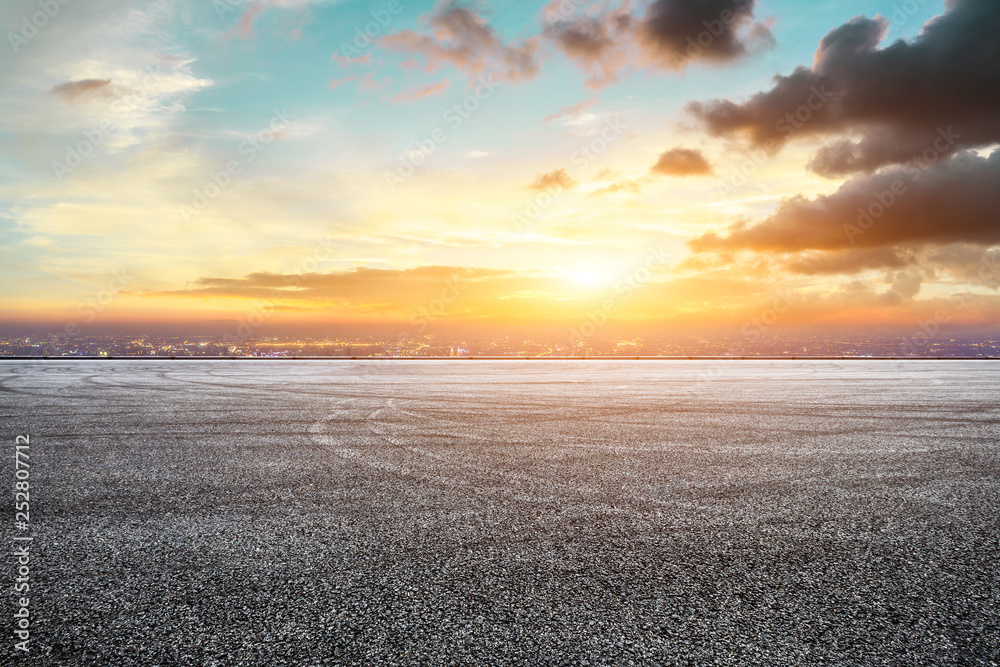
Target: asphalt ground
{"type": "Point", "coordinates": [509, 512]}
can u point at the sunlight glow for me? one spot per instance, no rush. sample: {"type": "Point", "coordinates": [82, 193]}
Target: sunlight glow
{"type": "Point", "coordinates": [590, 277]}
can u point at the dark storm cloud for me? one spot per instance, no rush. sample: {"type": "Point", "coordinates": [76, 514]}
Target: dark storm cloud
{"type": "Point", "coordinates": [671, 35]}
{"type": "Point", "coordinates": [606, 45]}
{"type": "Point", "coordinates": [955, 201]}
{"type": "Point", "coordinates": [897, 98]}
{"type": "Point", "coordinates": [678, 31]}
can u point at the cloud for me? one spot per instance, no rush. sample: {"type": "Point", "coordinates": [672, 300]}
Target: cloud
{"type": "Point", "coordinates": [629, 185]}
{"type": "Point", "coordinates": [558, 178]}
{"type": "Point", "coordinates": [244, 28]}
{"type": "Point", "coordinates": [967, 263]}
{"type": "Point", "coordinates": [671, 35]}
{"type": "Point", "coordinates": [905, 285]}
{"type": "Point", "coordinates": [885, 105]}
{"type": "Point", "coordinates": [682, 162]}
{"type": "Point", "coordinates": [956, 201]}
{"type": "Point", "coordinates": [87, 89]}
{"type": "Point", "coordinates": [420, 92]}
{"type": "Point", "coordinates": [600, 45]}
{"type": "Point", "coordinates": [396, 294]}
{"type": "Point", "coordinates": [571, 111]}
{"type": "Point", "coordinates": [337, 83]}
{"type": "Point", "coordinates": [679, 32]}
{"type": "Point", "coordinates": [368, 84]}
{"type": "Point", "coordinates": [463, 39]}
{"type": "Point", "coordinates": [348, 62]}
{"type": "Point", "coordinates": [848, 261]}
{"type": "Point", "coordinates": [100, 65]}
{"type": "Point", "coordinates": [606, 43]}
{"type": "Point", "coordinates": [310, 286]}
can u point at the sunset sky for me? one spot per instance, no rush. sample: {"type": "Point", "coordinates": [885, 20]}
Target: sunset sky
{"type": "Point", "coordinates": [690, 163]}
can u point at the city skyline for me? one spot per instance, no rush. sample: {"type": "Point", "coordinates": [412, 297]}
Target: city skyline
{"type": "Point", "coordinates": [922, 344]}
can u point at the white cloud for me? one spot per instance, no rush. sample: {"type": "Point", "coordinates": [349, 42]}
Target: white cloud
{"type": "Point", "coordinates": [149, 77]}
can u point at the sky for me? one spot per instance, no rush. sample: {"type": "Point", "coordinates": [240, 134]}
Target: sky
{"type": "Point", "coordinates": [642, 166]}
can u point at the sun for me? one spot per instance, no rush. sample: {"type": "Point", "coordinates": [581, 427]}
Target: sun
{"type": "Point", "coordinates": [589, 277]}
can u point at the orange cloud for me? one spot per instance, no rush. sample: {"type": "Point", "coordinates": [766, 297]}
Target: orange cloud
{"type": "Point", "coordinates": [954, 201]}
{"type": "Point", "coordinates": [558, 178]}
{"type": "Point", "coordinates": [629, 185]}
{"type": "Point", "coordinates": [79, 91]}
{"type": "Point", "coordinates": [466, 41]}
{"type": "Point", "coordinates": [571, 111]}
{"type": "Point", "coordinates": [682, 162]}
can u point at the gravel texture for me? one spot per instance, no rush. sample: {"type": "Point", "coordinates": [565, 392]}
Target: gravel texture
{"type": "Point", "coordinates": [516, 512]}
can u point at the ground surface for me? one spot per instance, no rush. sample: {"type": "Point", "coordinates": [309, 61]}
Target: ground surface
{"type": "Point", "coordinates": [527, 512]}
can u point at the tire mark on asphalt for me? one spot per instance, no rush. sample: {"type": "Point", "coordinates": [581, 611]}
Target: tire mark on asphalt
{"type": "Point", "coordinates": [523, 487]}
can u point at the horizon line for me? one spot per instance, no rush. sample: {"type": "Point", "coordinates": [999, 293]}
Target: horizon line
{"type": "Point", "coordinates": [50, 357]}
